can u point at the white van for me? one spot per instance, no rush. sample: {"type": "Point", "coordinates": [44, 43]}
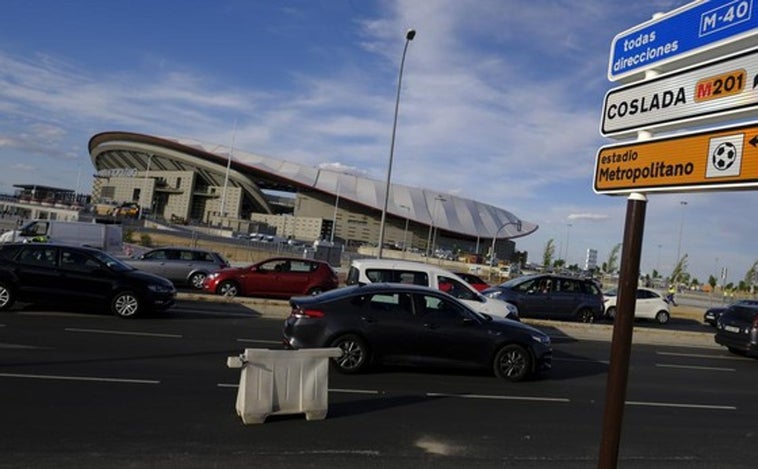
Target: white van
{"type": "Point", "coordinates": [364, 271]}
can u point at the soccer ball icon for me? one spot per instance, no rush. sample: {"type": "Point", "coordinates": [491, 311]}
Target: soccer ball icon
{"type": "Point", "coordinates": [724, 156]}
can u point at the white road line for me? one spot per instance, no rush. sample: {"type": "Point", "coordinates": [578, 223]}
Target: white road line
{"type": "Point", "coordinates": [694, 367]}
{"type": "Point", "coordinates": [355, 391]}
{"type": "Point", "coordinates": [81, 378]}
{"type": "Point", "coordinates": [581, 360]}
{"type": "Point", "coordinates": [682, 406]}
{"type": "Point", "coordinates": [224, 385]}
{"type": "Point", "coordinates": [496, 397]}
{"type": "Point", "coordinates": [703, 355]}
{"type": "Point", "coordinates": [141, 334]}
{"type": "Point", "coordinates": [277, 342]}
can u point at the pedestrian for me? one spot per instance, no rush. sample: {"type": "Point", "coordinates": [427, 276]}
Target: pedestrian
{"type": "Point", "coordinates": [670, 296]}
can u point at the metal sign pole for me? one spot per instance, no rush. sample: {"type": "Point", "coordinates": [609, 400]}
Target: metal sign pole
{"type": "Point", "coordinates": [623, 325]}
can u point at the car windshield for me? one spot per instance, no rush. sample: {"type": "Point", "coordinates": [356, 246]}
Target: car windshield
{"type": "Point", "coordinates": [113, 263]}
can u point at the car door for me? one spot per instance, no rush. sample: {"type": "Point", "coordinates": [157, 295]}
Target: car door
{"type": "Point", "coordinates": [295, 277]}
{"type": "Point", "coordinates": [534, 297]}
{"type": "Point", "coordinates": [83, 276]}
{"type": "Point", "coordinates": [389, 324]}
{"type": "Point", "coordinates": [265, 278]}
{"type": "Point", "coordinates": [445, 333]}
{"type": "Point", "coordinates": [154, 262]}
{"type": "Point", "coordinates": [38, 275]}
{"type": "Point", "coordinates": [647, 304]}
{"type": "Point", "coordinates": [565, 297]}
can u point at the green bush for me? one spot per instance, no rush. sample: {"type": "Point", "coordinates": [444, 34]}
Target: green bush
{"type": "Point", "coordinates": [146, 240]}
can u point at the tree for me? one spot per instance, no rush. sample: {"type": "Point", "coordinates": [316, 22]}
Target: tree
{"type": "Point", "coordinates": [613, 256]}
{"type": "Point", "coordinates": [712, 281]}
{"type": "Point", "coordinates": [679, 274]}
{"type": "Point", "coordinates": [750, 275]}
{"type": "Point", "coordinates": [548, 253]}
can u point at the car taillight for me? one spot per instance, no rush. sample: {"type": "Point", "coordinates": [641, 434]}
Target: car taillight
{"type": "Point", "coordinates": [307, 313]}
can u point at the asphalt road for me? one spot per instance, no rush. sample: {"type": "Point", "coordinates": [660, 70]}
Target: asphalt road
{"type": "Point", "coordinates": [81, 389]}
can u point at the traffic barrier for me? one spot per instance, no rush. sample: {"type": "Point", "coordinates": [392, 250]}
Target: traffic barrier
{"type": "Point", "coordinates": [283, 382]}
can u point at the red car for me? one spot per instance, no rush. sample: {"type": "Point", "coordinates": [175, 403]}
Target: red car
{"type": "Point", "coordinates": [280, 277]}
{"type": "Point", "coordinates": [473, 280]}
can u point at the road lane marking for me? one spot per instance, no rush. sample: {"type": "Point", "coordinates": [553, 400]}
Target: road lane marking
{"type": "Point", "coordinates": [18, 346]}
{"type": "Point", "coordinates": [106, 331]}
{"type": "Point", "coordinates": [581, 360]}
{"type": "Point", "coordinates": [682, 406]}
{"type": "Point", "coordinates": [80, 378]}
{"type": "Point", "coordinates": [355, 391]}
{"type": "Point", "coordinates": [694, 367]}
{"type": "Point", "coordinates": [498, 397]}
{"type": "Point", "coordinates": [703, 355]}
{"type": "Point", "coordinates": [277, 342]}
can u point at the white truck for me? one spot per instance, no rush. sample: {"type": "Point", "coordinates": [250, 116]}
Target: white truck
{"type": "Point", "coordinates": [108, 237]}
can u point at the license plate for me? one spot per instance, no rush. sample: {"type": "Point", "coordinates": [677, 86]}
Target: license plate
{"type": "Point", "coordinates": [733, 329]}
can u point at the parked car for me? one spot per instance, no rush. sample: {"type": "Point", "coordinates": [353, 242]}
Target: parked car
{"type": "Point", "coordinates": [712, 314]}
{"type": "Point", "coordinates": [737, 329]}
{"type": "Point", "coordinates": [48, 272]}
{"type": "Point", "coordinates": [649, 304]}
{"type": "Point", "coordinates": [364, 271]}
{"type": "Point", "coordinates": [183, 266]}
{"type": "Point", "coordinates": [552, 296]}
{"type": "Point", "coordinates": [474, 280]}
{"type": "Point", "coordinates": [411, 324]}
{"type": "Point", "coordinates": [280, 277]}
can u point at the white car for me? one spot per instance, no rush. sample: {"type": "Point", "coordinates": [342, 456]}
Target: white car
{"type": "Point", "coordinates": [649, 305]}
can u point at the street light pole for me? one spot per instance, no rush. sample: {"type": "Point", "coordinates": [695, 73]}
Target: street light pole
{"type": "Point", "coordinates": [432, 227]}
{"type": "Point", "coordinates": [144, 187]}
{"type": "Point", "coordinates": [405, 232]}
{"type": "Point", "coordinates": [409, 35]}
{"type": "Point", "coordinates": [494, 238]}
{"type": "Point", "coordinates": [681, 226]}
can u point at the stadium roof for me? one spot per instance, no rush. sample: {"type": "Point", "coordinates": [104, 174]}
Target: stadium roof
{"type": "Point", "coordinates": [255, 173]}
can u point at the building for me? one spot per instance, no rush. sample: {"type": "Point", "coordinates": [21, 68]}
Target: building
{"type": "Point", "coordinates": [192, 182]}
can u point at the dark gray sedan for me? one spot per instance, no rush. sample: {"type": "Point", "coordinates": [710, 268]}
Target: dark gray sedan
{"type": "Point", "coordinates": [410, 324]}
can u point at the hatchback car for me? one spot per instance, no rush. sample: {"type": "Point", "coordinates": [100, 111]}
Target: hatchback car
{"type": "Point", "coordinates": [649, 304]}
{"type": "Point", "coordinates": [280, 277]}
{"type": "Point", "coordinates": [183, 266]}
{"type": "Point", "coordinates": [411, 324]}
{"type": "Point", "coordinates": [711, 315]}
{"type": "Point", "coordinates": [48, 272]}
{"type": "Point", "coordinates": [552, 296]}
{"type": "Point", "coordinates": [737, 330]}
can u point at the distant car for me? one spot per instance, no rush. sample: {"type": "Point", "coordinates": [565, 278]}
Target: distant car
{"type": "Point", "coordinates": [552, 296]}
{"type": "Point", "coordinates": [280, 277]}
{"type": "Point", "coordinates": [712, 314]}
{"type": "Point", "coordinates": [411, 324]}
{"type": "Point", "coordinates": [473, 280]}
{"type": "Point", "coordinates": [58, 273]}
{"type": "Point", "coordinates": [737, 330]}
{"type": "Point", "coordinates": [183, 266]}
{"type": "Point", "coordinates": [649, 304]}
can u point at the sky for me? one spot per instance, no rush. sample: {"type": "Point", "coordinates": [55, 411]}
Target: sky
{"type": "Point", "coordinates": [501, 103]}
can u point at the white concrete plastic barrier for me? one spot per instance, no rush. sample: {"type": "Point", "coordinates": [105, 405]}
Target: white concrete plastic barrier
{"type": "Point", "coordinates": [283, 382]}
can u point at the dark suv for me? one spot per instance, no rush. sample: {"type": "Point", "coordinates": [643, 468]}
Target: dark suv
{"type": "Point", "coordinates": [552, 296]}
{"type": "Point", "coordinates": [37, 272]}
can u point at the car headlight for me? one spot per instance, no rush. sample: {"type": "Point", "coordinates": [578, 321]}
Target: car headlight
{"type": "Point", "coordinates": [158, 288]}
{"type": "Point", "coordinates": [542, 338]}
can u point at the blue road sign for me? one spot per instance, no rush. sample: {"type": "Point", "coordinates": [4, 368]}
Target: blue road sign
{"type": "Point", "coordinates": [692, 29]}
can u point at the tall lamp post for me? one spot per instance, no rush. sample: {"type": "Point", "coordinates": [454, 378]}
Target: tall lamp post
{"type": "Point", "coordinates": [405, 232]}
{"type": "Point", "coordinates": [432, 228]}
{"type": "Point", "coordinates": [494, 238]}
{"type": "Point", "coordinates": [144, 187]}
{"type": "Point", "coordinates": [409, 35]}
{"type": "Point", "coordinates": [681, 226]}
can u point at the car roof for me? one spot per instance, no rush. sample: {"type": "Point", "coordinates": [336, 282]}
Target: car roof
{"type": "Point", "coordinates": [399, 264]}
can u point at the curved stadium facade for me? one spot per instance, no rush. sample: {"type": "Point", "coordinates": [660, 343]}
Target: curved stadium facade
{"type": "Point", "coordinates": [200, 183]}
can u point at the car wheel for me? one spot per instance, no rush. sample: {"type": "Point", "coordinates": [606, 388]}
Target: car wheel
{"type": "Point", "coordinates": [354, 353]}
{"type": "Point", "coordinates": [316, 291]}
{"type": "Point", "coordinates": [512, 362]}
{"type": "Point", "coordinates": [6, 297]}
{"type": "Point", "coordinates": [585, 315]}
{"type": "Point", "coordinates": [610, 313]}
{"type": "Point", "coordinates": [196, 280]}
{"type": "Point", "coordinates": [662, 317]}
{"type": "Point", "coordinates": [126, 304]}
{"type": "Point", "coordinates": [228, 288]}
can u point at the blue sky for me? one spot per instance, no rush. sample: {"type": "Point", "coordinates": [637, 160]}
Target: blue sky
{"type": "Point", "coordinates": [501, 103]}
